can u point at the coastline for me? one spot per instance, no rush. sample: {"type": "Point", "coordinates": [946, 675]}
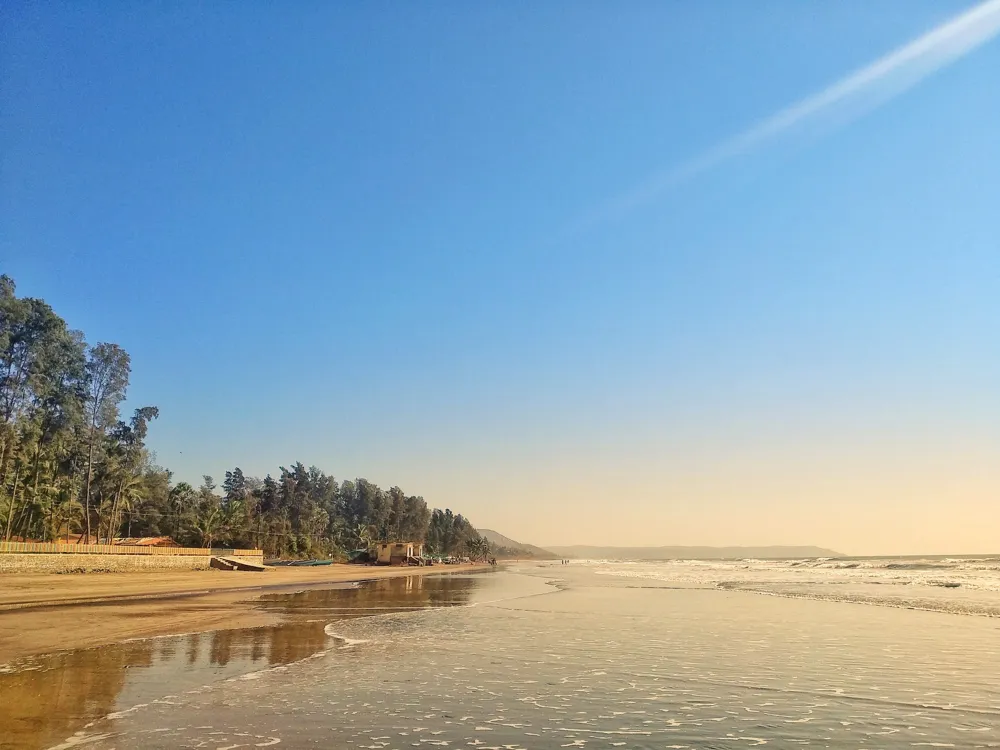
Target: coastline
{"type": "Point", "coordinates": [43, 613]}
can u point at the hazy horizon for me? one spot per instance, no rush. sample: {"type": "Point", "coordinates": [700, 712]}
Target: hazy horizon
{"type": "Point", "coordinates": [646, 275]}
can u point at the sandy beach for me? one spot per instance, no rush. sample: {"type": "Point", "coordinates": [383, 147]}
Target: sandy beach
{"type": "Point", "coordinates": [540, 656]}
{"type": "Point", "coordinates": [43, 613]}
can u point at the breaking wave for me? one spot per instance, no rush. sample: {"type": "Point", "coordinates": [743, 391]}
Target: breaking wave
{"type": "Point", "coordinates": [942, 584]}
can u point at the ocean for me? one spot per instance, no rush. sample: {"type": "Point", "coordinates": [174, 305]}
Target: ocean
{"type": "Point", "coordinates": [857, 653]}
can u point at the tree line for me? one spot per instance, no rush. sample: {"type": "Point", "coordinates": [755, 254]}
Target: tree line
{"type": "Point", "coordinates": [71, 465]}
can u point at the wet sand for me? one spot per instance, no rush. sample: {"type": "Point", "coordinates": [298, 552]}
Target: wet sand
{"type": "Point", "coordinates": [514, 659]}
{"type": "Point", "coordinates": [43, 613]}
{"type": "Point", "coordinates": [45, 700]}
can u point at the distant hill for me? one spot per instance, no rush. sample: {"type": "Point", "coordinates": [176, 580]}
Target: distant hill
{"type": "Point", "coordinates": [581, 551]}
{"type": "Point", "coordinates": [510, 548]}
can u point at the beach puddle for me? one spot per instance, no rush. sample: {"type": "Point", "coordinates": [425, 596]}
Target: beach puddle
{"type": "Point", "coordinates": [46, 699]}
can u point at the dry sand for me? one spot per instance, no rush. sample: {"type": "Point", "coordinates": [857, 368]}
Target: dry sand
{"type": "Point", "coordinates": [42, 613]}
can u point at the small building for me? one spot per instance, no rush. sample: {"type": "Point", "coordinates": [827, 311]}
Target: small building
{"type": "Point", "coordinates": [399, 553]}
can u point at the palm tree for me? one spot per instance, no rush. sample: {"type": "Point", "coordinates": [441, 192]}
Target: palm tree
{"type": "Point", "coordinates": [365, 536]}
{"type": "Point", "coordinates": [129, 493]}
{"type": "Point", "coordinates": [479, 548]}
{"type": "Point", "coordinates": [209, 525]}
{"type": "Point", "coordinates": [61, 517]}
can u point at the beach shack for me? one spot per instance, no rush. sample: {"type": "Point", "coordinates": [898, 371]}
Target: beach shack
{"type": "Point", "coordinates": [399, 553]}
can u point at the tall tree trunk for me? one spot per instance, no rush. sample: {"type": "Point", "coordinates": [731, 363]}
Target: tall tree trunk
{"type": "Point", "coordinates": [111, 520]}
{"type": "Point", "coordinates": [29, 525]}
{"type": "Point", "coordinates": [6, 452]}
{"type": "Point", "coordinates": [34, 489]}
{"type": "Point", "coordinates": [90, 478]}
{"type": "Point", "coordinates": [21, 526]}
{"type": "Point", "coordinates": [13, 502]}
{"type": "Point", "coordinates": [115, 521]}
{"type": "Point", "coordinates": [3, 461]}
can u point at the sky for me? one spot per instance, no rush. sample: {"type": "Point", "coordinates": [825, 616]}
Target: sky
{"type": "Point", "coordinates": [629, 274]}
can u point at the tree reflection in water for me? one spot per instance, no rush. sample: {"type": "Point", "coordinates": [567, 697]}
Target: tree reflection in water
{"type": "Point", "coordinates": [45, 701]}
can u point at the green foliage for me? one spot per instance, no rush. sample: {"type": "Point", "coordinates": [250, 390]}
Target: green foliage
{"type": "Point", "coordinates": [69, 465]}
{"type": "Point", "coordinates": [449, 534]}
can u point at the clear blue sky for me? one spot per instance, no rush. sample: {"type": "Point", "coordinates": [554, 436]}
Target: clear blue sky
{"type": "Point", "coordinates": [373, 237]}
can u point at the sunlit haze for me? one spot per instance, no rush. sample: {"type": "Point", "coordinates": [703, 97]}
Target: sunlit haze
{"type": "Point", "coordinates": [617, 274]}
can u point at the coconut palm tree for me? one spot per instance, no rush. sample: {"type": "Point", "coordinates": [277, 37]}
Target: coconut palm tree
{"type": "Point", "coordinates": [365, 536]}
{"type": "Point", "coordinates": [479, 548]}
{"type": "Point", "coordinates": [209, 526]}
{"type": "Point", "coordinates": [129, 492]}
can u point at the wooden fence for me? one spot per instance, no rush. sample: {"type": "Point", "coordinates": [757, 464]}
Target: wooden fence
{"type": "Point", "coordinates": [119, 549]}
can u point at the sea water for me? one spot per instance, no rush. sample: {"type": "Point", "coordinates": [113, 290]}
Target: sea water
{"type": "Point", "coordinates": [601, 654]}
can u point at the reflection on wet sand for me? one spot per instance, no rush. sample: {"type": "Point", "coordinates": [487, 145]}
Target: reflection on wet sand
{"type": "Point", "coordinates": [58, 696]}
{"type": "Point", "coordinates": [48, 699]}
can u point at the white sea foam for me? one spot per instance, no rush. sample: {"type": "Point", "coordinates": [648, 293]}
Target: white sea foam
{"type": "Point", "coordinates": [343, 640]}
{"type": "Point", "coordinates": [126, 711]}
{"type": "Point", "coordinates": [957, 585]}
{"type": "Point", "coordinates": [79, 739]}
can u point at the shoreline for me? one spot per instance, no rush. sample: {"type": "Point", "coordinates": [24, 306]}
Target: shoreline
{"type": "Point", "coordinates": [44, 613]}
